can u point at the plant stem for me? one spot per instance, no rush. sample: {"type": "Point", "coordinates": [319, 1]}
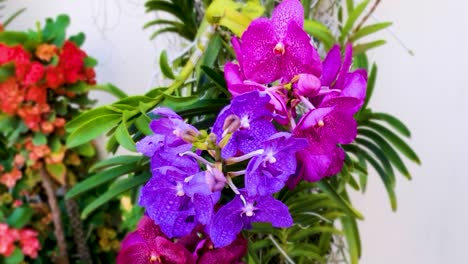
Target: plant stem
{"type": "Point", "coordinates": [78, 232]}
{"type": "Point", "coordinates": [366, 17]}
{"type": "Point", "coordinates": [48, 185]}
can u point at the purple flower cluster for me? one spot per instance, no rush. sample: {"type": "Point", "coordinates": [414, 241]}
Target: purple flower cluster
{"type": "Point", "coordinates": [278, 78]}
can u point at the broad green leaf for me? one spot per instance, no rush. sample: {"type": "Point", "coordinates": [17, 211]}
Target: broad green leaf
{"type": "Point", "coordinates": [345, 205]}
{"type": "Point", "coordinates": [142, 124]}
{"type": "Point", "coordinates": [79, 39]}
{"type": "Point", "coordinates": [395, 140]}
{"type": "Point", "coordinates": [114, 161]}
{"type": "Point", "coordinates": [13, 38]}
{"type": "Point", "coordinates": [116, 189]}
{"type": "Point", "coordinates": [165, 67]}
{"type": "Point", "coordinates": [86, 150]}
{"type": "Point", "coordinates": [39, 139]}
{"type": "Point", "coordinates": [361, 62]}
{"type": "Point", "coordinates": [54, 30]}
{"type": "Point", "coordinates": [92, 129]}
{"type": "Point", "coordinates": [215, 76]}
{"type": "Point", "coordinates": [177, 103]}
{"type": "Point", "coordinates": [124, 138]}
{"type": "Point", "coordinates": [85, 117]}
{"type": "Point", "coordinates": [99, 179]}
{"type": "Point", "coordinates": [6, 71]}
{"type": "Point", "coordinates": [320, 32]}
{"type": "Point", "coordinates": [203, 107]}
{"type": "Point", "coordinates": [16, 257]}
{"type": "Point", "coordinates": [394, 122]}
{"type": "Point", "coordinates": [213, 48]}
{"type": "Point", "coordinates": [352, 17]}
{"type": "Point", "coordinates": [309, 251]}
{"type": "Point", "coordinates": [360, 48]}
{"type": "Point", "coordinates": [20, 217]}
{"type": "Point", "coordinates": [367, 30]}
{"type": "Point", "coordinates": [57, 171]}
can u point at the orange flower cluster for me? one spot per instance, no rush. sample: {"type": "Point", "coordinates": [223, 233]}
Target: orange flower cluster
{"type": "Point", "coordinates": [49, 68]}
{"type": "Point", "coordinates": [26, 237]}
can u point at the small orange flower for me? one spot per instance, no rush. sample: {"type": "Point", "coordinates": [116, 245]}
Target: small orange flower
{"type": "Point", "coordinates": [19, 160]}
{"type": "Point", "coordinates": [45, 52]}
{"type": "Point", "coordinates": [10, 178]}
{"type": "Point", "coordinates": [47, 127]}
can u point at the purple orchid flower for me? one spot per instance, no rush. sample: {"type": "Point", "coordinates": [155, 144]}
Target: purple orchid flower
{"type": "Point", "coordinates": [241, 212]}
{"type": "Point", "coordinates": [249, 121]}
{"type": "Point", "coordinates": [178, 202]}
{"type": "Point", "coordinates": [149, 245]}
{"type": "Point", "coordinates": [338, 81]}
{"type": "Point", "coordinates": [267, 173]}
{"type": "Point", "coordinates": [278, 48]}
{"type": "Point", "coordinates": [324, 128]}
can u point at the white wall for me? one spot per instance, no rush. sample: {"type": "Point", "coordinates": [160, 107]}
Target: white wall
{"type": "Point", "coordinates": [427, 91]}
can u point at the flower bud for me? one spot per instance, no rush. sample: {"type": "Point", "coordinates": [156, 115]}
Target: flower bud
{"type": "Point", "coordinates": [307, 85]}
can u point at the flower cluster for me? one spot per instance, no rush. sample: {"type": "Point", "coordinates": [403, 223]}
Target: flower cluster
{"type": "Point", "coordinates": [149, 243]}
{"type": "Point", "coordinates": [278, 78]}
{"type": "Point", "coordinates": [49, 68]}
{"type": "Point", "coordinates": [27, 239]}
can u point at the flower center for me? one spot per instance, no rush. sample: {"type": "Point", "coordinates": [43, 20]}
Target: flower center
{"type": "Point", "coordinates": [180, 189]}
{"type": "Point", "coordinates": [279, 50]}
{"type": "Point", "coordinates": [320, 123]}
{"type": "Point", "coordinates": [270, 157]}
{"type": "Point", "coordinates": [244, 122]}
{"type": "Point", "coordinates": [154, 258]}
{"type": "Point", "coordinates": [249, 209]}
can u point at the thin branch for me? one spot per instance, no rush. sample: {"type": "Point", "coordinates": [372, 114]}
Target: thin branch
{"type": "Point", "coordinates": [78, 232]}
{"type": "Point", "coordinates": [366, 17]}
{"type": "Point", "coordinates": [48, 185]}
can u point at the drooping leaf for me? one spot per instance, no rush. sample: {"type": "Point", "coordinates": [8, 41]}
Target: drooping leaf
{"type": "Point", "coordinates": [115, 190]}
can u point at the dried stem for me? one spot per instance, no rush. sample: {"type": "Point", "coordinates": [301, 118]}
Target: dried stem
{"type": "Point", "coordinates": [78, 232]}
{"type": "Point", "coordinates": [366, 17]}
{"type": "Point", "coordinates": [48, 185]}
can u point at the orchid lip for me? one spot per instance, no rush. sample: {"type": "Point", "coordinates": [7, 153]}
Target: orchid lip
{"type": "Point", "coordinates": [279, 50]}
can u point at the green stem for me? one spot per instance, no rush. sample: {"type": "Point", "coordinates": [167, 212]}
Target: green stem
{"type": "Point", "coordinates": [204, 34]}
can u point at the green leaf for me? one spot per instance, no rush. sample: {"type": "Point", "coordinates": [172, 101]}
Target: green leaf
{"type": "Point", "coordinates": [308, 232]}
{"type": "Point", "coordinates": [345, 205]}
{"type": "Point", "coordinates": [367, 30]}
{"type": "Point", "coordinates": [177, 103]}
{"type": "Point", "coordinates": [380, 156]}
{"type": "Point", "coordinates": [54, 31]}
{"type": "Point", "coordinates": [85, 117]}
{"type": "Point", "coordinates": [39, 139]}
{"type": "Point", "coordinates": [99, 179]}
{"type": "Point", "coordinates": [57, 171]}
{"type": "Point", "coordinates": [165, 67]}
{"type": "Point", "coordinates": [394, 122]}
{"type": "Point", "coordinates": [124, 138]}
{"type": "Point", "coordinates": [203, 107]}
{"type": "Point", "coordinates": [114, 161]}
{"type": "Point", "coordinates": [395, 140]}
{"type": "Point", "coordinates": [320, 32]}
{"type": "Point", "coordinates": [142, 124]}
{"type": "Point", "coordinates": [214, 46]}
{"type": "Point", "coordinates": [79, 39]}
{"type": "Point", "coordinates": [13, 16]}
{"type": "Point", "coordinates": [6, 71]}
{"type": "Point", "coordinates": [353, 239]}
{"type": "Point", "coordinates": [111, 89]}
{"type": "Point", "coordinates": [116, 189]}
{"type": "Point", "coordinates": [86, 150]}
{"type": "Point", "coordinates": [370, 84]}
{"type": "Point", "coordinates": [387, 149]}
{"type": "Point", "coordinates": [90, 62]}
{"type": "Point", "coordinates": [92, 129]}
{"type": "Point", "coordinates": [361, 62]}
{"type": "Point", "coordinates": [360, 48]}
{"type": "Point", "coordinates": [13, 38]}
{"type": "Point", "coordinates": [215, 76]}
{"type": "Point", "coordinates": [352, 17]}
{"type": "Point", "coordinates": [20, 217]}
{"type": "Point", "coordinates": [16, 257]}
